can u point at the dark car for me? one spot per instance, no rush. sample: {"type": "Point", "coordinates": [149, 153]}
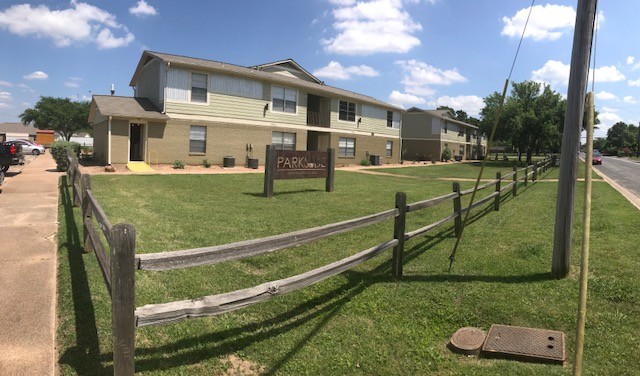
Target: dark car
{"type": "Point", "coordinates": [10, 155]}
{"type": "Point", "coordinates": [596, 158]}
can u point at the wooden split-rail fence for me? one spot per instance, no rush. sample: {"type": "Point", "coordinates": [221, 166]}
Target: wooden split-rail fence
{"type": "Point", "coordinates": [119, 262]}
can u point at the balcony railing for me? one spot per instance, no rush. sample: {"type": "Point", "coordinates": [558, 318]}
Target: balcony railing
{"type": "Point", "coordinates": [318, 119]}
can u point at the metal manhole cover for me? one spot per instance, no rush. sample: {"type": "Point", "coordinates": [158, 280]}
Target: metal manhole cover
{"type": "Point", "coordinates": [530, 344]}
{"type": "Point", "coordinates": [467, 340]}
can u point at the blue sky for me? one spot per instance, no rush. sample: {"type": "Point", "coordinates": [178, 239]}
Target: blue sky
{"type": "Point", "coordinates": [422, 53]}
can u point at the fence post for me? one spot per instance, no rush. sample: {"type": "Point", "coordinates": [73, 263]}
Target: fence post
{"type": "Point", "coordinates": [457, 208]}
{"type": "Point", "coordinates": [87, 212]}
{"type": "Point", "coordinates": [123, 241]}
{"type": "Point", "coordinates": [526, 175]}
{"type": "Point", "coordinates": [535, 171]}
{"type": "Point", "coordinates": [496, 203]}
{"type": "Point", "coordinates": [269, 170]}
{"type": "Point", "coordinates": [69, 171]}
{"type": "Point", "coordinates": [515, 181]}
{"type": "Point", "coordinates": [398, 233]}
{"type": "Point", "coordinates": [331, 169]}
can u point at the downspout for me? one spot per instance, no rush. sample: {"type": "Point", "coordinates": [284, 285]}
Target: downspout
{"type": "Point", "coordinates": [109, 143]}
{"type": "Point", "coordinates": [164, 89]}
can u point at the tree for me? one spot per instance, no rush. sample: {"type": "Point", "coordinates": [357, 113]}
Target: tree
{"type": "Point", "coordinates": [58, 114]}
{"type": "Point", "coordinates": [532, 118]}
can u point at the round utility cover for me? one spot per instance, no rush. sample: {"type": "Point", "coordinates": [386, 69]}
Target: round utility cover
{"type": "Point", "coordinates": [468, 340]}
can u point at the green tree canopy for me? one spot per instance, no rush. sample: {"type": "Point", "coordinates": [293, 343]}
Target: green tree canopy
{"type": "Point", "coordinates": [623, 139]}
{"type": "Point", "coordinates": [58, 114]}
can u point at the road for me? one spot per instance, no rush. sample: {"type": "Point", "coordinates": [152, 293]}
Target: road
{"type": "Point", "coordinates": [623, 172]}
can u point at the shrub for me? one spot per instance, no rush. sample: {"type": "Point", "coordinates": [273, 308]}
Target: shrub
{"type": "Point", "coordinates": [178, 164]}
{"type": "Point", "coordinates": [446, 155]}
{"type": "Point", "coordinates": [59, 153]}
{"type": "Point", "coordinates": [365, 162]}
{"type": "Point", "coordinates": [206, 163]}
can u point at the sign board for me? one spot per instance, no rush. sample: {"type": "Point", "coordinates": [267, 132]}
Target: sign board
{"type": "Point", "coordinates": [292, 164]}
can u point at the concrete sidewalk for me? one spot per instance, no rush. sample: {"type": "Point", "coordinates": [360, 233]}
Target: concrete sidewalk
{"type": "Point", "coordinates": [28, 263]}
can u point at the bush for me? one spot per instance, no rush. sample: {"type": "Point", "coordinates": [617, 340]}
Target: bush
{"type": "Point", "coordinates": [446, 155]}
{"type": "Point", "coordinates": [59, 153]}
{"type": "Point", "coordinates": [365, 162]}
{"type": "Point", "coordinates": [178, 164]}
{"type": "Point", "coordinates": [206, 163]}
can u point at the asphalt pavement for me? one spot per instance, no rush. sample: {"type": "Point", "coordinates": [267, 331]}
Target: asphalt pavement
{"type": "Point", "coordinates": [28, 263]}
{"type": "Point", "coordinates": [622, 174]}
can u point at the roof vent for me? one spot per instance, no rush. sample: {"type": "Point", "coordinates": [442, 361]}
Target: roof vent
{"type": "Point", "coordinates": [113, 89]}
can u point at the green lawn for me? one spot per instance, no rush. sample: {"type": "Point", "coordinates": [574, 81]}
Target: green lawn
{"type": "Point", "coordinates": [362, 321]}
{"type": "Point", "coordinates": [468, 170]}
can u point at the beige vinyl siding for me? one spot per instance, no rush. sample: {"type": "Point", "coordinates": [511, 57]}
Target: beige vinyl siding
{"type": "Point", "coordinates": [235, 107]}
{"type": "Point", "coordinates": [368, 124]}
{"type": "Point", "coordinates": [149, 82]}
{"type": "Point", "coordinates": [418, 126]}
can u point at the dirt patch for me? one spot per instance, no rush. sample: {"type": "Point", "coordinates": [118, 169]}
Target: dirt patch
{"type": "Point", "coordinates": [241, 367]}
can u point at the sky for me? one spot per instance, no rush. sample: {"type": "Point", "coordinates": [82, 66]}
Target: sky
{"type": "Point", "coordinates": [422, 53]}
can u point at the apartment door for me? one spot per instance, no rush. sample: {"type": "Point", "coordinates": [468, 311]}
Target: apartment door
{"type": "Point", "coordinates": [136, 142]}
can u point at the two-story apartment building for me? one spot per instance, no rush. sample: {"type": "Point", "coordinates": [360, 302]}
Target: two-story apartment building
{"type": "Point", "coordinates": [193, 109]}
{"type": "Point", "coordinates": [427, 133]}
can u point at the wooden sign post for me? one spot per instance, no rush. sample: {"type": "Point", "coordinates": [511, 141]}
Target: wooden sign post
{"type": "Point", "coordinates": [291, 164]}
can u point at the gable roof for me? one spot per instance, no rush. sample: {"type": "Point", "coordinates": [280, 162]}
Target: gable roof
{"type": "Point", "coordinates": [17, 128]}
{"type": "Point", "coordinates": [254, 73]}
{"type": "Point", "coordinates": [289, 63]}
{"type": "Point", "coordinates": [441, 114]}
{"type": "Point", "coordinates": [129, 107]}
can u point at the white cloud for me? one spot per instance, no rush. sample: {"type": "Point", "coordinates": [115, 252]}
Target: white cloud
{"type": "Point", "coordinates": [607, 119]}
{"type": "Point", "coordinates": [418, 73]}
{"type": "Point", "coordinates": [37, 75]}
{"type": "Point", "coordinates": [80, 98]}
{"type": "Point", "coordinates": [143, 9]}
{"type": "Point", "coordinates": [629, 99]}
{"type": "Point", "coordinates": [73, 82]}
{"type": "Point", "coordinates": [403, 100]}
{"type": "Point", "coordinates": [471, 104]}
{"type": "Point", "coordinates": [630, 60]}
{"type": "Point", "coordinates": [546, 22]}
{"type": "Point", "coordinates": [342, 2]}
{"type": "Point", "coordinates": [604, 95]}
{"type": "Point", "coordinates": [553, 72]}
{"type": "Point", "coordinates": [107, 40]}
{"type": "Point", "coordinates": [635, 67]}
{"type": "Point", "coordinates": [5, 83]}
{"type": "Point", "coordinates": [607, 74]}
{"type": "Point", "coordinates": [79, 23]}
{"type": "Point", "coordinates": [336, 71]}
{"type": "Point", "coordinates": [5, 96]}
{"type": "Point", "coordinates": [4, 106]}
{"type": "Point", "coordinates": [634, 82]}
{"type": "Point", "coordinates": [368, 27]}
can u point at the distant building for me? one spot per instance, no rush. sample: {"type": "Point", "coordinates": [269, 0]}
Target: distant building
{"type": "Point", "coordinates": [14, 131]}
{"type": "Point", "coordinates": [193, 109]}
{"type": "Point", "coordinates": [427, 133]}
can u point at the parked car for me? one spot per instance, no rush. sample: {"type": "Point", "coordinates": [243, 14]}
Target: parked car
{"type": "Point", "coordinates": [10, 155]}
{"type": "Point", "coordinates": [596, 158]}
{"type": "Point", "coordinates": [29, 147]}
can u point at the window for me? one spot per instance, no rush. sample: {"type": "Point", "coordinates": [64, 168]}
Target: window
{"type": "Point", "coordinates": [347, 111]}
{"type": "Point", "coordinates": [461, 150]}
{"type": "Point", "coordinates": [389, 119]}
{"type": "Point", "coordinates": [347, 147]}
{"type": "Point", "coordinates": [198, 139]}
{"type": "Point", "coordinates": [198, 88]}
{"type": "Point", "coordinates": [389, 148]}
{"type": "Point", "coordinates": [283, 140]}
{"type": "Point", "coordinates": [283, 100]}
{"type": "Point", "coordinates": [445, 127]}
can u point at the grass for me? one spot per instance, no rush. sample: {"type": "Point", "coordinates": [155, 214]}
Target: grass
{"type": "Point", "coordinates": [362, 321]}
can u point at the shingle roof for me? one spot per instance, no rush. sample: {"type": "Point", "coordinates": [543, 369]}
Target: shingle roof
{"type": "Point", "coordinates": [441, 115]}
{"type": "Point", "coordinates": [211, 65]}
{"type": "Point", "coordinates": [17, 128]}
{"type": "Point", "coordinates": [128, 107]}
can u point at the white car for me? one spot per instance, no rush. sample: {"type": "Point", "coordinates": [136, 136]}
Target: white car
{"type": "Point", "coordinates": [29, 147]}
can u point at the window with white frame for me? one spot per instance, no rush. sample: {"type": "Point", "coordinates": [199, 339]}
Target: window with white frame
{"type": "Point", "coordinates": [347, 147]}
{"type": "Point", "coordinates": [283, 99]}
{"type": "Point", "coordinates": [389, 119]}
{"type": "Point", "coordinates": [283, 140]}
{"type": "Point", "coordinates": [198, 88]}
{"type": "Point", "coordinates": [198, 139]}
{"type": "Point", "coordinates": [389, 148]}
{"type": "Point", "coordinates": [347, 111]}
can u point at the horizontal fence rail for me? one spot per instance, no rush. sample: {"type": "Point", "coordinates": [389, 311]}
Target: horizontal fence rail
{"type": "Point", "coordinates": [165, 313]}
{"type": "Point", "coordinates": [118, 260]}
{"type": "Point", "coordinates": [234, 251]}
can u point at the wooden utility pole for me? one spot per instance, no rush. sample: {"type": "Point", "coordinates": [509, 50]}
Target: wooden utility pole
{"type": "Point", "coordinates": [563, 232]}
